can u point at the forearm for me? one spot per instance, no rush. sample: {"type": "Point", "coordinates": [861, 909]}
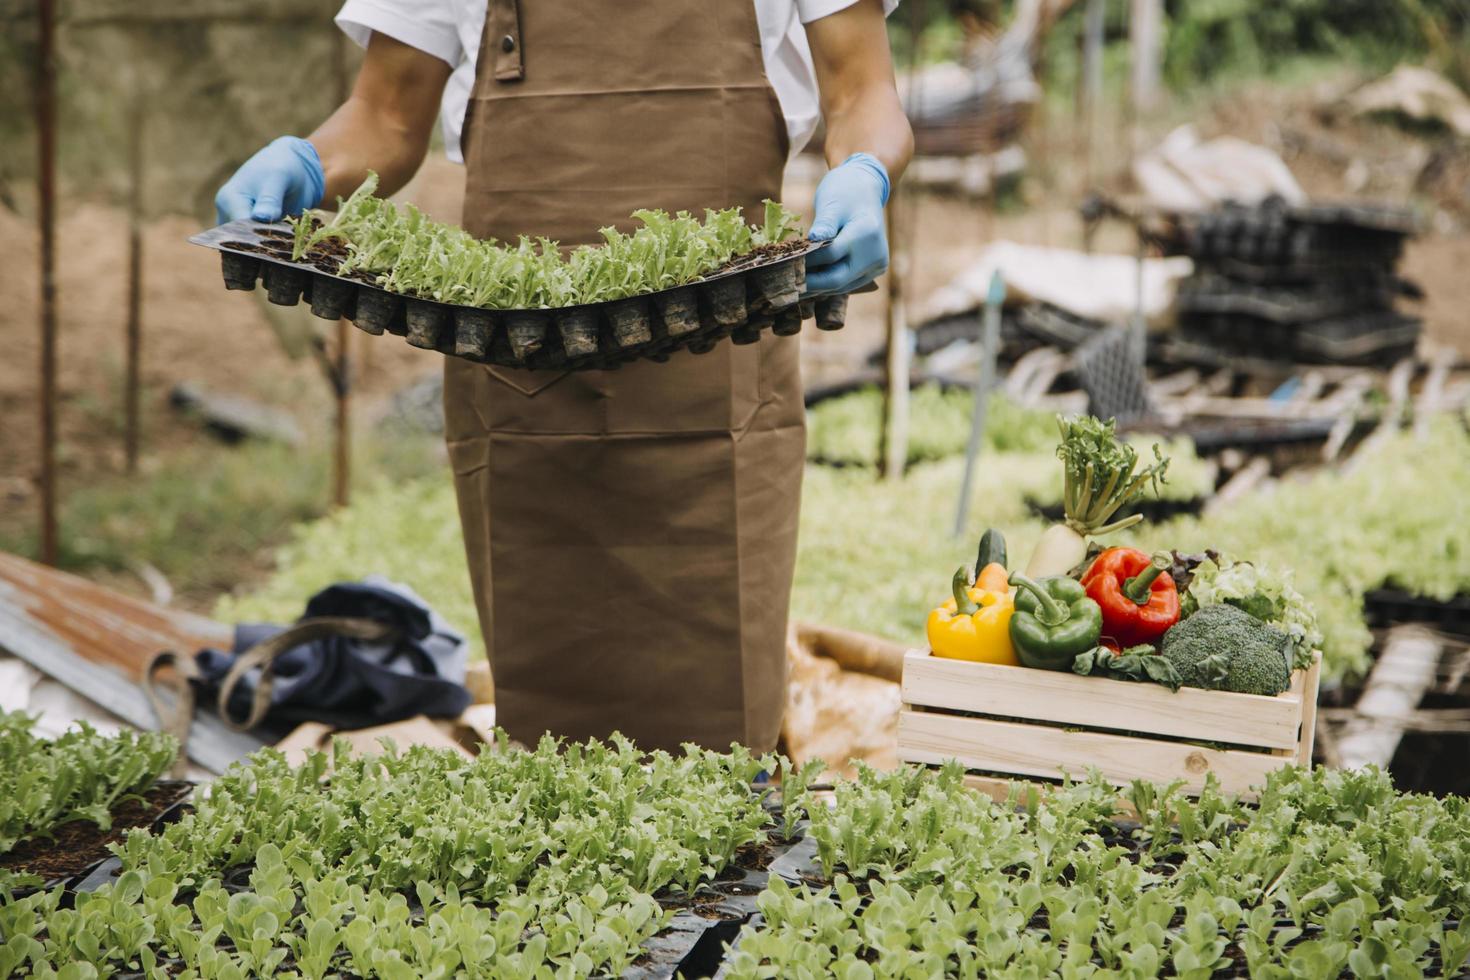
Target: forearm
{"type": "Point", "coordinates": [873, 122]}
{"type": "Point", "coordinates": [385, 124]}
{"type": "Point", "coordinates": [859, 99]}
{"type": "Point", "coordinates": [358, 138]}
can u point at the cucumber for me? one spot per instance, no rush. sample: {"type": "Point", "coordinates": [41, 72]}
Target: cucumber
{"type": "Point", "coordinates": [992, 549]}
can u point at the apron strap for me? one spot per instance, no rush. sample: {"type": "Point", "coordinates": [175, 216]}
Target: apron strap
{"type": "Point", "coordinates": [503, 38]}
{"type": "Point", "coordinates": [263, 655]}
{"type": "Point", "coordinates": [175, 719]}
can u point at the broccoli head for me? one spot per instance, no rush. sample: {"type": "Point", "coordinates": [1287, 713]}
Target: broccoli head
{"type": "Point", "coordinates": [1223, 648]}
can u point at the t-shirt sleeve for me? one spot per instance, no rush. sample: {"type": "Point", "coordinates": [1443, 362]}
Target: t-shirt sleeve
{"type": "Point", "coordinates": [810, 10]}
{"type": "Point", "coordinates": [427, 25]}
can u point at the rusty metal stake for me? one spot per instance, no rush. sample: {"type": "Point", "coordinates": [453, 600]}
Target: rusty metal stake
{"type": "Point", "coordinates": [341, 376]}
{"type": "Point", "coordinates": [135, 283]}
{"type": "Point", "coordinates": [46, 187]}
{"type": "Point", "coordinates": [342, 388]}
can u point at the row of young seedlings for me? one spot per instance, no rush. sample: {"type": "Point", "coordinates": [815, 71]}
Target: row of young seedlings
{"type": "Point", "coordinates": [1335, 874]}
{"type": "Point", "coordinates": [424, 863]}
{"type": "Point", "coordinates": [549, 863]}
{"type": "Point", "coordinates": [81, 775]}
{"type": "Point", "coordinates": [412, 254]}
{"type": "Point", "coordinates": [634, 280]}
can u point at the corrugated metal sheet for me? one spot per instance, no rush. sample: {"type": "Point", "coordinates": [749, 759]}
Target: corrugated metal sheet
{"type": "Point", "coordinates": [97, 642]}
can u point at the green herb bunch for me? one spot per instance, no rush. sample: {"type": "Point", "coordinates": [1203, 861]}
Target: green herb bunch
{"type": "Point", "coordinates": [407, 252]}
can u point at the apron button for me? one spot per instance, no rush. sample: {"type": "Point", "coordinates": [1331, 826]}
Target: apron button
{"type": "Point", "coordinates": [507, 44]}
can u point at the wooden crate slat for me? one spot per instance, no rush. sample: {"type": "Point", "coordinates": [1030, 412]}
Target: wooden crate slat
{"type": "Point", "coordinates": [1310, 681]}
{"type": "Point", "coordinates": [1097, 702]}
{"type": "Point", "coordinates": [1034, 750]}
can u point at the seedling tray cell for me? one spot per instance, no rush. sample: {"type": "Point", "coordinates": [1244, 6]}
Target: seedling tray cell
{"type": "Point", "coordinates": [752, 294]}
{"type": "Point", "coordinates": [171, 795]}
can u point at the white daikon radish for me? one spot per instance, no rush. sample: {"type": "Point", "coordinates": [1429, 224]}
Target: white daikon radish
{"type": "Point", "coordinates": [1100, 478]}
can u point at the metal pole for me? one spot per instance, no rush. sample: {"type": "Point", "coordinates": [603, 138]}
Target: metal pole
{"type": "Point", "coordinates": [46, 187]}
{"type": "Point", "coordinates": [893, 443]}
{"type": "Point", "coordinates": [135, 280]}
{"type": "Point", "coordinates": [1140, 326]}
{"type": "Point", "coordinates": [1146, 34]}
{"type": "Point", "coordinates": [995, 298]}
{"type": "Point", "coordinates": [1092, 80]}
{"type": "Point", "coordinates": [342, 383]}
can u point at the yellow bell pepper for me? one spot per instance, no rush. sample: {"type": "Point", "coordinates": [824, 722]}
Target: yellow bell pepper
{"type": "Point", "coordinates": [974, 623]}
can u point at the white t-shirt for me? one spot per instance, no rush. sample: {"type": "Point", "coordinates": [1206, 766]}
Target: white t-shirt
{"type": "Point", "coordinates": [450, 30]}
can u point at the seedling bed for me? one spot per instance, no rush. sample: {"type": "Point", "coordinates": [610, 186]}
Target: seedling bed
{"type": "Point", "coordinates": [74, 851]}
{"type": "Point", "coordinates": [691, 945]}
{"type": "Point", "coordinates": [1163, 858]}
{"type": "Point", "coordinates": [1024, 723]}
{"type": "Point", "coordinates": [751, 294]}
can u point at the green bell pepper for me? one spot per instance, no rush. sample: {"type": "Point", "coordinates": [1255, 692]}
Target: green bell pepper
{"type": "Point", "coordinates": [1054, 621]}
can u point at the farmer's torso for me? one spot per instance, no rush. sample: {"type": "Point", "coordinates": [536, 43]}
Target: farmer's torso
{"type": "Point", "coordinates": [451, 30]}
{"type": "Point", "coordinates": [631, 534]}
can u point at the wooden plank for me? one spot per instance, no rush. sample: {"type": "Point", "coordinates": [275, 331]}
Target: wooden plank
{"type": "Point", "coordinates": [1035, 750]}
{"type": "Point", "coordinates": [99, 624]}
{"type": "Point", "coordinates": [1310, 681]}
{"type": "Point", "coordinates": [1099, 702]}
{"type": "Point", "coordinates": [1404, 672]}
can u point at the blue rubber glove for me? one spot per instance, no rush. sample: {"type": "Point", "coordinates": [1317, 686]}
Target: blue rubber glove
{"type": "Point", "coordinates": [285, 177]}
{"type": "Point", "coordinates": [849, 212]}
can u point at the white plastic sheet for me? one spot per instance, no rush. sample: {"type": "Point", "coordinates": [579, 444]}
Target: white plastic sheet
{"type": "Point", "coordinates": [1099, 287]}
{"type": "Point", "coordinates": [1186, 174]}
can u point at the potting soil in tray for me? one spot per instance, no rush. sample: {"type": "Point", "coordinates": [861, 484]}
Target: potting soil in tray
{"type": "Point", "coordinates": [78, 847]}
{"type": "Point", "coordinates": [753, 293]}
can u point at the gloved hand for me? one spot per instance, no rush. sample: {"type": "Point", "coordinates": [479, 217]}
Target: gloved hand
{"type": "Point", "coordinates": [849, 211]}
{"type": "Point", "coordinates": [285, 177]}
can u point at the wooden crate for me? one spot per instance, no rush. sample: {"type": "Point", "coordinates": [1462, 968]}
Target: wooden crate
{"type": "Point", "coordinates": [1040, 724]}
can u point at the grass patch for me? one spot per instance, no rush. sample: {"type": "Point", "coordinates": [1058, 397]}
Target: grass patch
{"type": "Point", "coordinates": [872, 555]}
{"type": "Point", "coordinates": [408, 532]}
{"type": "Point", "coordinates": [844, 431]}
{"type": "Point", "coordinates": [208, 517]}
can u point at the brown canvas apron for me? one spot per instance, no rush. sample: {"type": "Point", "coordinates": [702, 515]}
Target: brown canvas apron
{"type": "Point", "coordinates": [631, 534]}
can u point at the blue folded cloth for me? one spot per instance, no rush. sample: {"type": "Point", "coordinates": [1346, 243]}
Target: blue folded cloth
{"type": "Point", "coordinates": [351, 683]}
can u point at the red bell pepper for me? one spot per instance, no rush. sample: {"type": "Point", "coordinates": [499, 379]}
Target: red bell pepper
{"type": "Point", "coordinates": [1138, 598]}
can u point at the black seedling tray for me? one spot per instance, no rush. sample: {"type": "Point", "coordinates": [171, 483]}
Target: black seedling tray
{"type": "Point", "coordinates": [1211, 293]}
{"type": "Point", "coordinates": [1387, 607]}
{"type": "Point", "coordinates": [762, 292]}
{"type": "Point", "coordinates": [1370, 337]}
{"type": "Point", "coordinates": [106, 868]}
{"type": "Point", "coordinates": [1274, 241]}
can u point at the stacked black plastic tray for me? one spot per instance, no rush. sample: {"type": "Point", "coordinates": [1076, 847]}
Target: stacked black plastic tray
{"type": "Point", "coordinates": [761, 292]}
{"type": "Point", "coordinates": [1312, 284]}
